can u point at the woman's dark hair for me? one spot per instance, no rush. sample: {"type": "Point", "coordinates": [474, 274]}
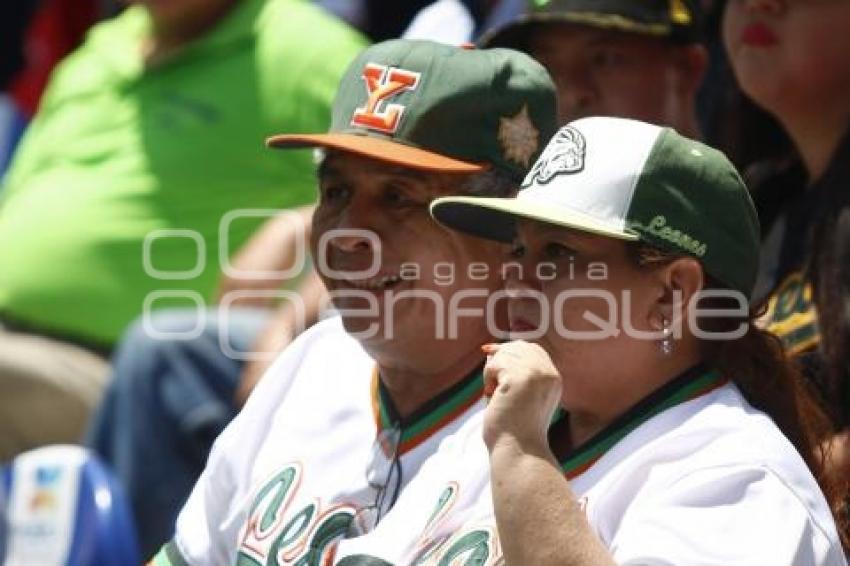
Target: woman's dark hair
{"type": "Point", "coordinates": [829, 272]}
{"type": "Point", "coordinates": [769, 381]}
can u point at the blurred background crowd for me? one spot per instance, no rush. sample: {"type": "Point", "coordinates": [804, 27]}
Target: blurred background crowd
{"type": "Point", "coordinates": [136, 196]}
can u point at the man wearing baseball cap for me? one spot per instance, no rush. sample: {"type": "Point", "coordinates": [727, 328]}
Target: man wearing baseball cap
{"type": "Point", "coordinates": [347, 414]}
{"type": "Point", "coordinates": [638, 59]}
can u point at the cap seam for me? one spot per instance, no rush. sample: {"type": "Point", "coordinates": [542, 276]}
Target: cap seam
{"type": "Point", "coordinates": [627, 217]}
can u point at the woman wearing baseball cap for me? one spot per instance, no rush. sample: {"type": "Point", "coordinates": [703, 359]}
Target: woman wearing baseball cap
{"type": "Point", "coordinates": [682, 436]}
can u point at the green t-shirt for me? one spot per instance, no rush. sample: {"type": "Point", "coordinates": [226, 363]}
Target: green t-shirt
{"type": "Point", "coordinates": [118, 152]}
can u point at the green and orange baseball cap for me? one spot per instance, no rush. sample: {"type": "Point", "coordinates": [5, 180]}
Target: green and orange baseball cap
{"type": "Point", "coordinates": [631, 181]}
{"type": "Point", "coordinates": [435, 107]}
{"type": "Point", "coordinates": [677, 20]}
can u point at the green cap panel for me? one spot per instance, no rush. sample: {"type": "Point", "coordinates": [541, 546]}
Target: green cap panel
{"type": "Point", "coordinates": [691, 199]}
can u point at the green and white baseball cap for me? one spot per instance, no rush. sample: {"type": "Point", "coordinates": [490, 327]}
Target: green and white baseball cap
{"type": "Point", "coordinates": [435, 107]}
{"type": "Point", "coordinates": [632, 181]}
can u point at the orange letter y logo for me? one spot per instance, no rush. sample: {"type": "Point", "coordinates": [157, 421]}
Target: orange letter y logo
{"type": "Point", "coordinates": [383, 83]}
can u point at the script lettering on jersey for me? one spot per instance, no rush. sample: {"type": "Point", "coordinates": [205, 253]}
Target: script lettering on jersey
{"type": "Point", "coordinates": [277, 533]}
{"type": "Point", "coordinates": [468, 546]}
{"type": "Point", "coordinates": [383, 83]}
{"type": "Point", "coordinates": [475, 546]}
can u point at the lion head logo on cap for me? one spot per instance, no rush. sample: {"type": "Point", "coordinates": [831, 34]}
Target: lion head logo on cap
{"type": "Point", "coordinates": [563, 156]}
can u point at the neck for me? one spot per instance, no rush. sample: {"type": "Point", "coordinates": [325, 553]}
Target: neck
{"type": "Point", "coordinates": [585, 424]}
{"type": "Point", "coordinates": [170, 34]}
{"type": "Point", "coordinates": [816, 136]}
{"type": "Point", "coordinates": [689, 127]}
{"type": "Point", "coordinates": [410, 388]}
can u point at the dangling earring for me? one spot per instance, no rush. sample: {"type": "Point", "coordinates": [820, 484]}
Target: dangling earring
{"type": "Point", "coordinates": [667, 339]}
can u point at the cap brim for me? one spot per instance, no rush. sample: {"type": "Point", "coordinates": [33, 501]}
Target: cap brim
{"type": "Point", "coordinates": [380, 149]}
{"type": "Point", "coordinates": [515, 34]}
{"type": "Point", "coordinates": [495, 218]}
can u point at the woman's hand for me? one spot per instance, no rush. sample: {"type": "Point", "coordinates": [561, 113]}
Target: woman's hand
{"type": "Point", "coordinates": [524, 389]}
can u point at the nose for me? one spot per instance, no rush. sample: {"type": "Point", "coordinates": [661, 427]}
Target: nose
{"type": "Point", "coordinates": [347, 247]}
{"type": "Point", "coordinates": [351, 240]}
{"type": "Point", "coordinates": [519, 279]}
{"type": "Point", "coordinates": [518, 288]}
{"type": "Point", "coordinates": [354, 232]}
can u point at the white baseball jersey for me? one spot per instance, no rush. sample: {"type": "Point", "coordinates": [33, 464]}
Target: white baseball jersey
{"type": "Point", "coordinates": [691, 475]}
{"type": "Point", "coordinates": [285, 478]}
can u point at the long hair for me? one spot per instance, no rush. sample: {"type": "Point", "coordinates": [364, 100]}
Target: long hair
{"type": "Point", "coordinates": [829, 272]}
{"type": "Point", "coordinates": [769, 381]}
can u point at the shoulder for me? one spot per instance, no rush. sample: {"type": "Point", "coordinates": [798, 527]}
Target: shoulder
{"type": "Point", "coordinates": [110, 50]}
{"type": "Point", "coordinates": [301, 54]}
{"type": "Point", "coordinates": [322, 358]}
{"type": "Point", "coordinates": [731, 513]}
{"type": "Point", "coordinates": [324, 347]}
{"type": "Point", "coordinates": [303, 26]}
{"type": "Point", "coordinates": [723, 431]}
{"type": "Point", "coordinates": [722, 465]}
{"type": "Point", "coordinates": [128, 27]}
{"type": "Point", "coordinates": [319, 364]}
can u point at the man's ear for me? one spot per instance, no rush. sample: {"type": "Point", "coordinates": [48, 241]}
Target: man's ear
{"type": "Point", "coordinates": [691, 62]}
{"type": "Point", "coordinates": [680, 281]}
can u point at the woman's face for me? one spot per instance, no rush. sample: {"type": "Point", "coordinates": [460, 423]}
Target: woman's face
{"type": "Point", "coordinates": [790, 55]}
{"type": "Point", "coordinates": [585, 301]}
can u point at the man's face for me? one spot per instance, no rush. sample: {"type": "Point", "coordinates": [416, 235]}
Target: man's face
{"type": "Point", "coordinates": [375, 215]}
{"type": "Point", "coordinates": [607, 73]}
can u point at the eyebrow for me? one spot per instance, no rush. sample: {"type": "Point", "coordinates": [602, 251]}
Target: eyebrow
{"type": "Point", "coordinates": [565, 233]}
{"type": "Point", "coordinates": [407, 172]}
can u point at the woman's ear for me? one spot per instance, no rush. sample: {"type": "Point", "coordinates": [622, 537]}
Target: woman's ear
{"type": "Point", "coordinates": [680, 282]}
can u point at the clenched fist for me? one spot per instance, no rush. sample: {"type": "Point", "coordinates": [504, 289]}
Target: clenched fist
{"type": "Point", "coordinates": [524, 389]}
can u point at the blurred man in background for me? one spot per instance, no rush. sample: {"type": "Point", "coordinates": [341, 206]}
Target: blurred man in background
{"type": "Point", "coordinates": [148, 135]}
{"type": "Point", "coordinates": [637, 59]}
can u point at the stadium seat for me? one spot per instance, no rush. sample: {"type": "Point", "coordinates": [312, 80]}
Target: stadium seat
{"type": "Point", "coordinates": [63, 507]}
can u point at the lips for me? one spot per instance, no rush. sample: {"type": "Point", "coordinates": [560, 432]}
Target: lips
{"type": "Point", "coordinates": [380, 282]}
{"type": "Point", "coordinates": [758, 35]}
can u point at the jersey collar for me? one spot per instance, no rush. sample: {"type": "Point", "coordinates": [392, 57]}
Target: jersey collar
{"type": "Point", "coordinates": [694, 382]}
{"type": "Point", "coordinates": [430, 417]}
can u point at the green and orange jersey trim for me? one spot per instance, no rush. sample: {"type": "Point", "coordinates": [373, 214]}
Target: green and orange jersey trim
{"type": "Point", "coordinates": [693, 383]}
{"type": "Point", "coordinates": [432, 416]}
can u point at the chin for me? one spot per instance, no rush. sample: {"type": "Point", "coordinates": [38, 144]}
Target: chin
{"type": "Point", "coordinates": [759, 78]}
{"type": "Point", "coordinates": [379, 329]}
{"type": "Point", "coordinates": [362, 326]}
